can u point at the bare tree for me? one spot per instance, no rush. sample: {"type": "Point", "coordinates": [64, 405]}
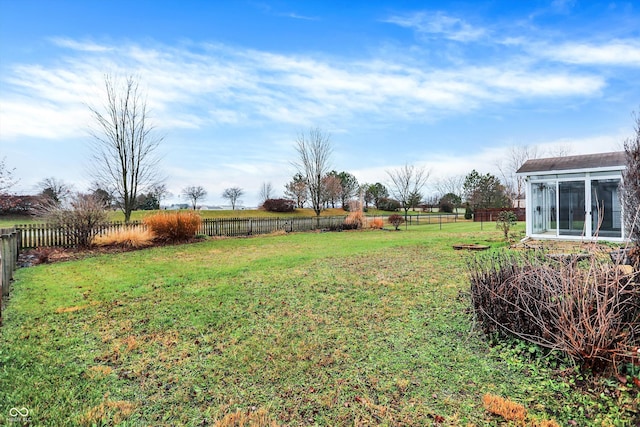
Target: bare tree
{"type": "Point", "coordinates": [450, 185]}
{"type": "Point", "coordinates": [160, 191]}
{"type": "Point", "coordinates": [561, 150]}
{"type": "Point", "coordinates": [631, 185]}
{"type": "Point", "coordinates": [406, 182]}
{"type": "Point", "coordinates": [124, 143]}
{"type": "Point", "coordinates": [297, 190]}
{"type": "Point", "coordinates": [6, 177]}
{"type": "Point", "coordinates": [266, 192]}
{"type": "Point", "coordinates": [56, 190]}
{"type": "Point", "coordinates": [193, 194]}
{"type": "Point", "coordinates": [516, 156]}
{"type": "Point", "coordinates": [331, 189]}
{"type": "Point", "coordinates": [233, 194]}
{"type": "Point", "coordinates": [103, 194]}
{"type": "Point", "coordinates": [314, 152]}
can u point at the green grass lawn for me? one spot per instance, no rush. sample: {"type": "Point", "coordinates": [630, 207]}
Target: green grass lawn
{"type": "Point", "coordinates": [351, 328]}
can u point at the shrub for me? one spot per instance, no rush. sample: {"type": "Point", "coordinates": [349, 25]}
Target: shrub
{"type": "Point", "coordinates": [173, 226]}
{"type": "Point", "coordinates": [389, 205]}
{"type": "Point", "coordinates": [131, 237]}
{"type": "Point", "coordinates": [589, 312]}
{"type": "Point", "coordinates": [375, 223]}
{"type": "Point", "coordinates": [505, 220]}
{"type": "Point", "coordinates": [395, 220]}
{"type": "Point", "coordinates": [445, 207]}
{"type": "Point", "coordinates": [80, 221]}
{"type": "Point", "coordinates": [449, 202]}
{"type": "Point", "coordinates": [335, 227]}
{"type": "Point", "coordinates": [468, 213]}
{"type": "Point", "coordinates": [279, 205]}
{"type": "Point", "coordinates": [354, 221]}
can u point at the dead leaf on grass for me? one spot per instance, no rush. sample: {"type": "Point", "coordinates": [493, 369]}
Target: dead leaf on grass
{"type": "Point", "coordinates": [98, 372]}
{"type": "Point", "coordinates": [108, 412]}
{"type": "Point", "coordinates": [248, 418]}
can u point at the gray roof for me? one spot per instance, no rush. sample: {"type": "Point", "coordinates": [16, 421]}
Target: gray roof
{"type": "Point", "coordinates": [612, 160]}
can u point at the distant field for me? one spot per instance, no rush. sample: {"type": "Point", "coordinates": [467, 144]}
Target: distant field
{"type": "Point", "coordinates": [329, 329]}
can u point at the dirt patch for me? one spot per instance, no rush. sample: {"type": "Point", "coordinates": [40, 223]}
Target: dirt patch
{"type": "Point", "coordinates": [471, 247]}
{"type": "Point", "coordinates": [564, 247]}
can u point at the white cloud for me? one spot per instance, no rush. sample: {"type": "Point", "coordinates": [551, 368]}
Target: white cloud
{"type": "Point", "coordinates": [439, 24]}
{"type": "Point", "coordinates": [86, 46]}
{"type": "Point", "coordinates": [220, 85]}
{"type": "Point", "coordinates": [616, 52]}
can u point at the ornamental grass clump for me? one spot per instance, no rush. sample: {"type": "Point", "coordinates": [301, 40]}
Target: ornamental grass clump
{"type": "Point", "coordinates": [589, 310]}
{"type": "Point", "coordinates": [131, 237]}
{"type": "Point", "coordinates": [173, 226]}
{"type": "Point", "coordinates": [354, 221]}
{"type": "Point", "coordinates": [375, 223]}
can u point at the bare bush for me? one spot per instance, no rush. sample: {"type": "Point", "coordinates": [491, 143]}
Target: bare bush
{"type": "Point", "coordinates": [80, 220]}
{"type": "Point", "coordinates": [395, 220]}
{"type": "Point", "coordinates": [631, 185]}
{"type": "Point", "coordinates": [588, 310]}
{"type": "Point", "coordinates": [504, 222]}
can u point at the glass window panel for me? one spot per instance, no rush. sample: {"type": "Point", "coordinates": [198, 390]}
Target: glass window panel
{"type": "Point", "coordinates": [544, 208]}
{"type": "Point", "coordinates": [606, 212]}
{"type": "Point", "coordinates": [571, 208]}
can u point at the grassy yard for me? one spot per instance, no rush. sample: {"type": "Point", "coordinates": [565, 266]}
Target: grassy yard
{"type": "Point", "coordinates": [351, 328]}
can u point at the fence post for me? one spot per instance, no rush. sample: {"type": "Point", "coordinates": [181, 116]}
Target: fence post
{"type": "Point", "coordinates": [9, 239]}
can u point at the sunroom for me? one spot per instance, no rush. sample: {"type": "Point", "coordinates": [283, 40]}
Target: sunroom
{"type": "Point", "coordinates": [575, 197]}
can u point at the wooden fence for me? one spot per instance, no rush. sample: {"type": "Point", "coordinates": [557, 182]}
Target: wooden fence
{"type": "Point", "coordinates": [9, 249]}
{"type": "Point", "coordinates": [44, 235]}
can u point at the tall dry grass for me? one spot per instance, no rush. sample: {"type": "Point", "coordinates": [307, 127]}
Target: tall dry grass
{"type": "Point", "coordinates": [137, 237]}
{"type": "Point", "coordinates": [354, 221]}
{"type": "Point", "coordinates": [375, 223]}
{"type": "Point", "coordinates": [173, 226]}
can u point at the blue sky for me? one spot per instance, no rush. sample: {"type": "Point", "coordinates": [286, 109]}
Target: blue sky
{"type": "Point", "coordinates": [450, 86]}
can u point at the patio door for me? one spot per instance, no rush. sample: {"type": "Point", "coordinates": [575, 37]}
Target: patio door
{"type": "Point", "coordinates": [571, 208]}
{"type": "Point", "coordinates": [544, 208]}
{"type": "Point", "coordinates": [606, 216]}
